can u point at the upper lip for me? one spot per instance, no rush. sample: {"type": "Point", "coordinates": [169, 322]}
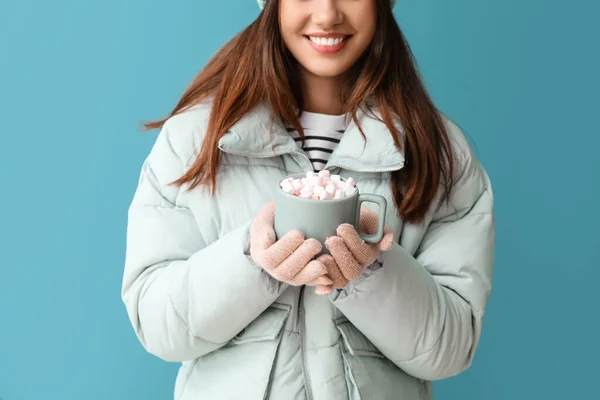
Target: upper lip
{"type": "Point", "coordinates": [327, 35]}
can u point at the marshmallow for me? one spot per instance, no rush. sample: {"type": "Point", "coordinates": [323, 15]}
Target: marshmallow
{"type": "Point", "coordinates": [324, 195]}
{"type": "Point", "coordinates": [306, 191]}
{"type": "Point", "coordinates": [350, 182]}
{"type": "Point", "coordinates": [286, 186]}
{"type": "Point", "coordinates": [330, 189]}
{"type": "Point", "coordinates": [305, 195]}
{"type": "Point", "coordinates": [316, 181]}
{"type": "Point", "coordinates": [324, 173]}
{"type": "Point", "coordinates": [297, 185]}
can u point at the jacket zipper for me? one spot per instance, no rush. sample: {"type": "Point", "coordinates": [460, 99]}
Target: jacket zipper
{"type": "Point", "coordinates": [301, 344]}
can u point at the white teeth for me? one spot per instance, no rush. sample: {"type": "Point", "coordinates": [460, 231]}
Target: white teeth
{"type": "Point", "coordinates": [326, 41]}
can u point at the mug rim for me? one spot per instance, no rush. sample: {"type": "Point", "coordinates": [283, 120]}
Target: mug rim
{"type": "Point", "coordinates": [356, 193]}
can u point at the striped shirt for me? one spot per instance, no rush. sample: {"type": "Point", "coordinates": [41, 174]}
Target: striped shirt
{"type": "Point", "coordinates": [322, 134]}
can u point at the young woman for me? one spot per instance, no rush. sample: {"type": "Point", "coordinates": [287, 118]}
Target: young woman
{"type": "Point", "coordinates": [310, 85]}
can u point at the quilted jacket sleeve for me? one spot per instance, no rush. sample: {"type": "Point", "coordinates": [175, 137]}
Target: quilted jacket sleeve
{"type": "Point", "coordinates": [184, 297]}
{"type": "Point", "coordinates": [424, 311]}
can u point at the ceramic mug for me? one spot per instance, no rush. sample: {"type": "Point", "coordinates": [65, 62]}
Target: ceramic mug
{"type": "Point", "coordinates": [319, 219]}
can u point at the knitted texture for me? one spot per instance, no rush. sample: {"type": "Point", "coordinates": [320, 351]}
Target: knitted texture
{"type": "Point", "coordinates": [350, 255]}
{"type": "Point", "coordinates": [261, 3]}
{"type": "Point", "coordinates": [289, 259]}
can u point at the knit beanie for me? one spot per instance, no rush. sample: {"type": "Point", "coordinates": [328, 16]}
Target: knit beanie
{"type": "Point", "coordinates": [261, 3]}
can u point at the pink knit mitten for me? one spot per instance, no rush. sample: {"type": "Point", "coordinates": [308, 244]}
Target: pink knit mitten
{"type": "Point", "coordinates": [350, 254]}
{"type": "Point", "coordinates": [289, 259]}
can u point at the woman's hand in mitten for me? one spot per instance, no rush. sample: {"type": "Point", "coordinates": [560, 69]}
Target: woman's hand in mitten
{"type": "Point", "coordinates": [289, 259]}
{"type": "Point", "coordinates": [350, 255]}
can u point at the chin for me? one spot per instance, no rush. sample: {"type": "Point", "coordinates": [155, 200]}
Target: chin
{"type": "Point", "coordinates": [325, 71]}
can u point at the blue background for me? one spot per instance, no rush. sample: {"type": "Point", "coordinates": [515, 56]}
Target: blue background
{"type": "Point", "coordinates": [77, 78]}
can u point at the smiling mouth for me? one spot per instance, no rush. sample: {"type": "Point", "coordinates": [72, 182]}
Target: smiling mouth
{"type": "Point", "coordinates": [327, 41]}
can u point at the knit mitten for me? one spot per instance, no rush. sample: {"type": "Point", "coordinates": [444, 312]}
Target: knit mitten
{"type": "Point", "coordinates": [289, 259]}
{"type": "Point", "coordinates": [350, 255]}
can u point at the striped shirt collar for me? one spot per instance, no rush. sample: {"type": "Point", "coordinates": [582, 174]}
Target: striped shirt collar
{"type": "Point", "coordinates": [311, 120]}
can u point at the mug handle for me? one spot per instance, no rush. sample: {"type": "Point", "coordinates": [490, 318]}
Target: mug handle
{"type": "Point", "coordinates": [382, 203]}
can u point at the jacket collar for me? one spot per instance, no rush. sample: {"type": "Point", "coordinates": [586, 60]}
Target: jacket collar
{"type": "Point", "coordinates": [259, 134]}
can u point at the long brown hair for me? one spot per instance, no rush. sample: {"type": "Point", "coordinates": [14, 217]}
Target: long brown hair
{"type": "Point", "coordinates": [255, 66]}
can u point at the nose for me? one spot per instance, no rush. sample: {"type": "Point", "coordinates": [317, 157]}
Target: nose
{"type": "Point", "coordinates": [326, 13]}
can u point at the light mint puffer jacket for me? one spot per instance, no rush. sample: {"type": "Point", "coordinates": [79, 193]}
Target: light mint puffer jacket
{"type": "Point", "coordinates": [194, 296]}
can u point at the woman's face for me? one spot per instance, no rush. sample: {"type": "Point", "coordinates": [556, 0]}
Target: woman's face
{"type": "Point", "coordinates": [327, 36]}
